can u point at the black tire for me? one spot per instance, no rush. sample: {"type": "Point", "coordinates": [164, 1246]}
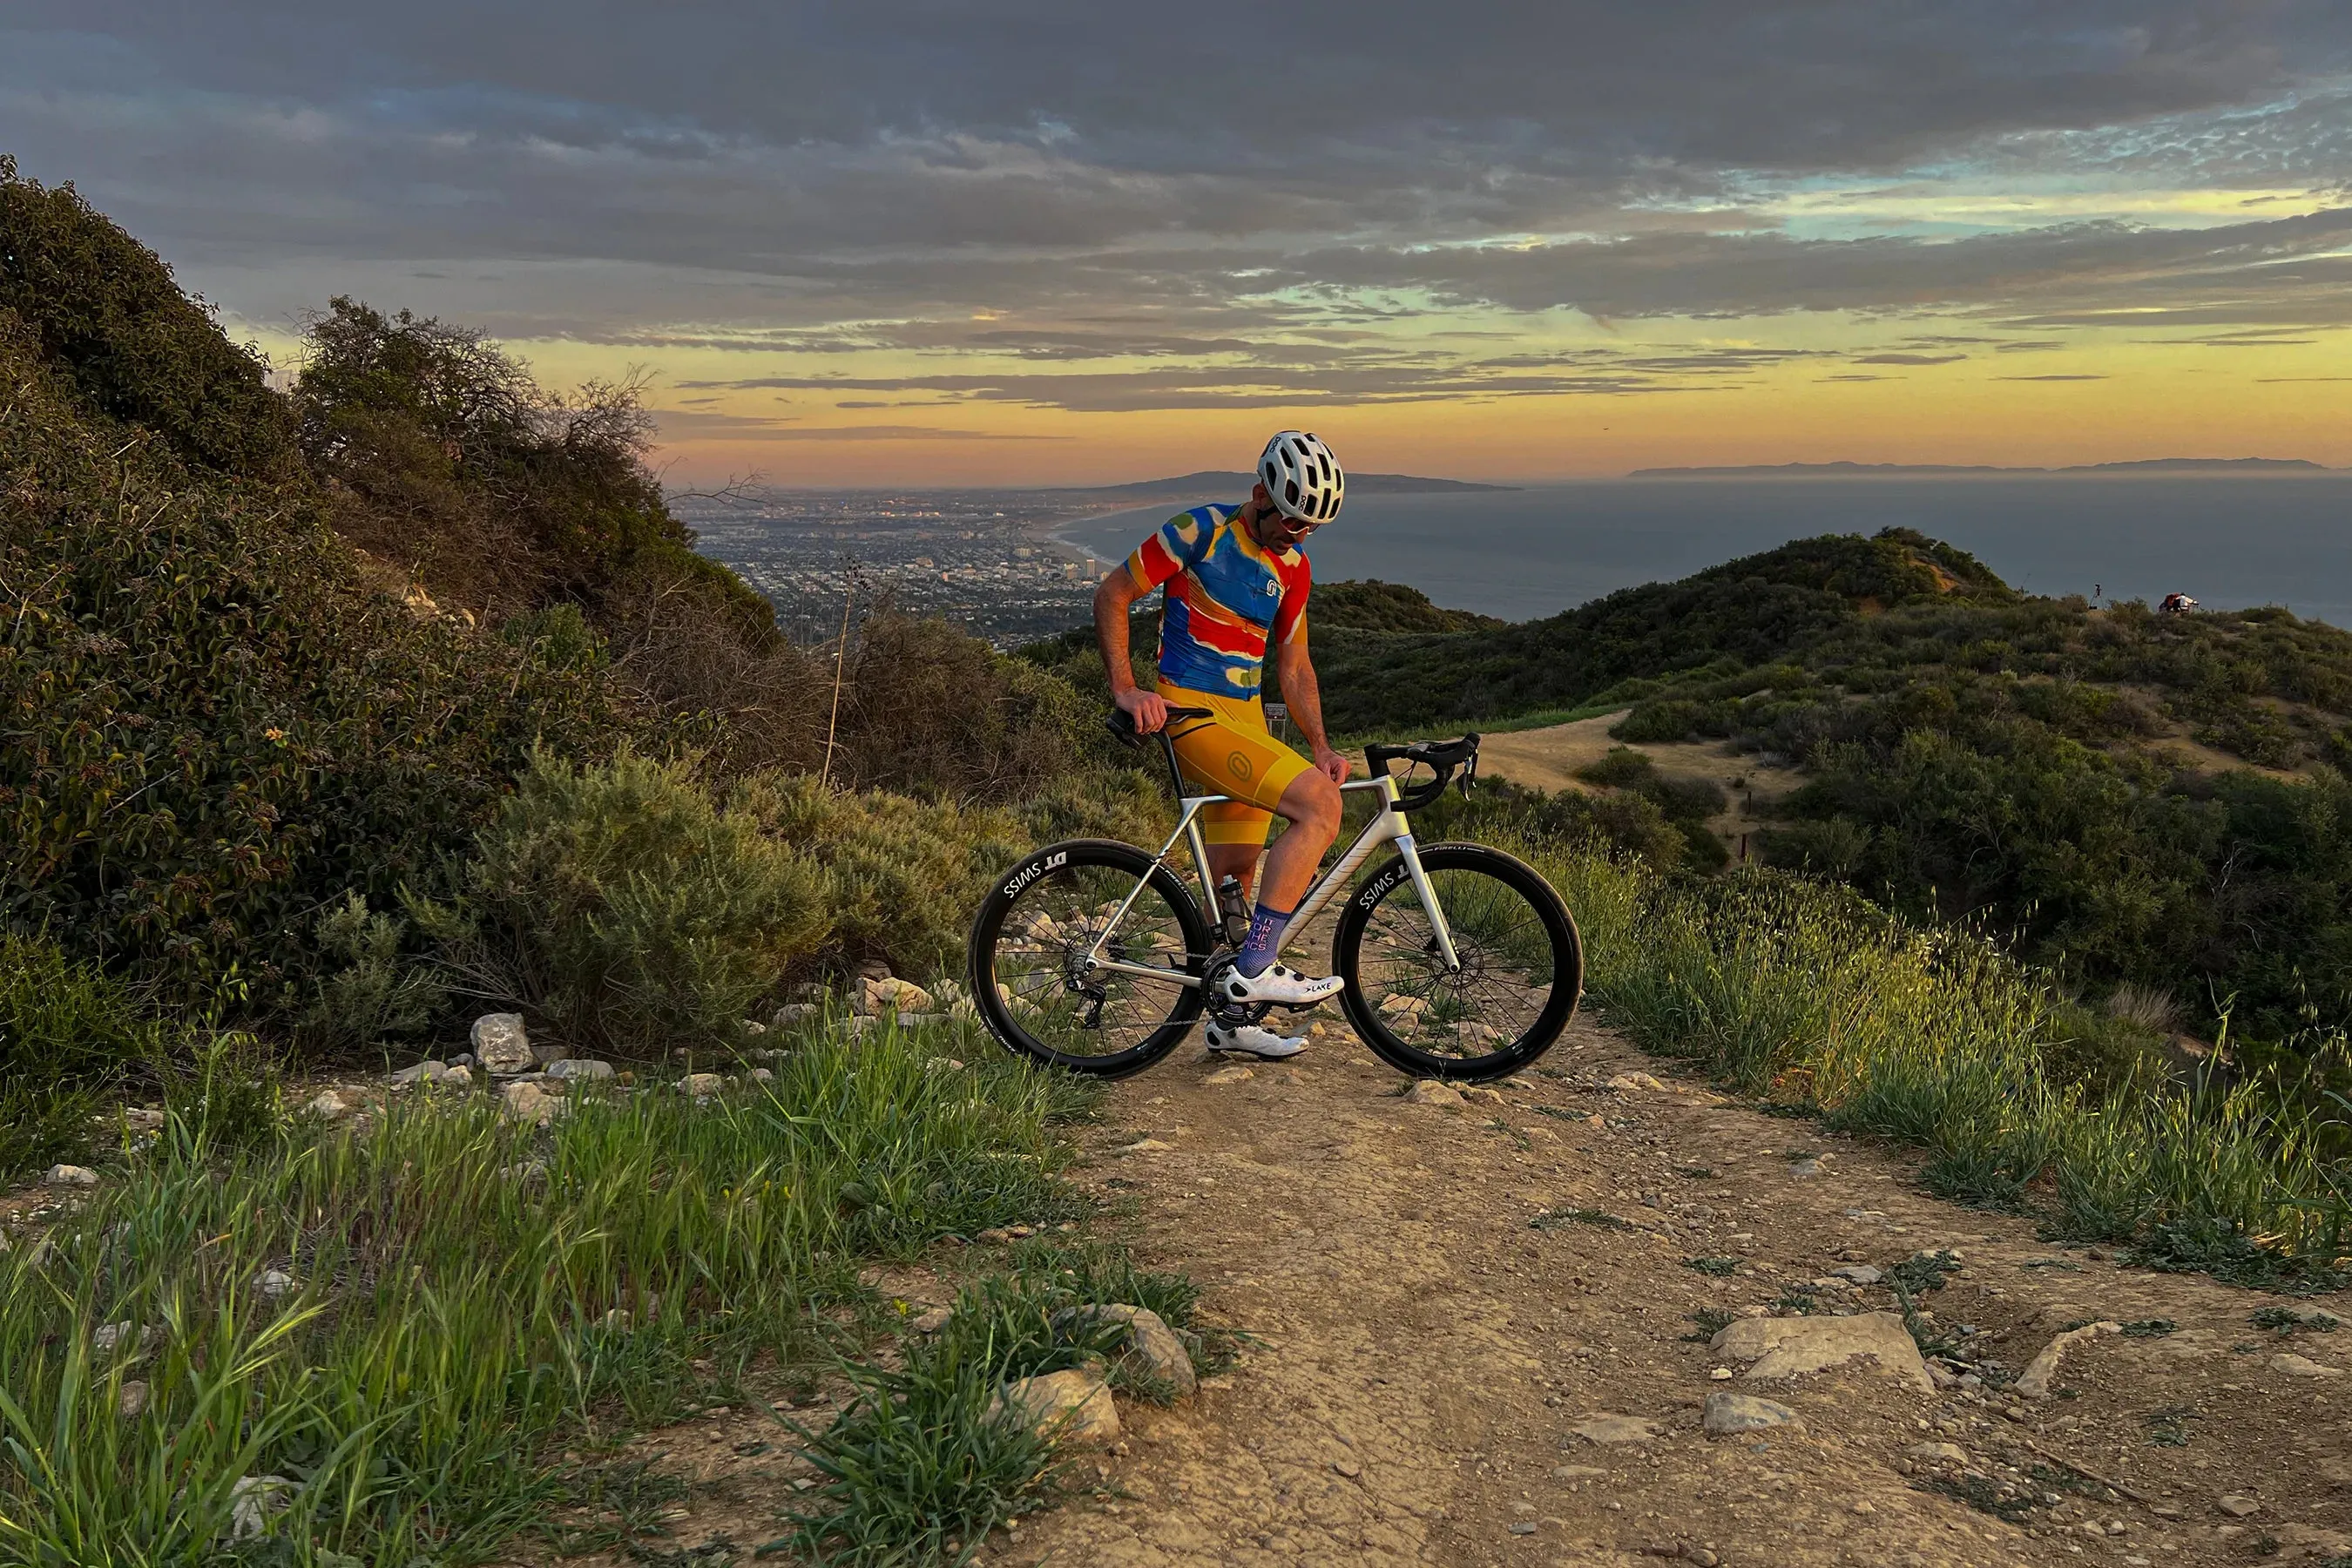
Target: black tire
{"type": "Point", "coordinates": [1042, 1010]}
{"type": "Point", "coordinates": [1521, 976]}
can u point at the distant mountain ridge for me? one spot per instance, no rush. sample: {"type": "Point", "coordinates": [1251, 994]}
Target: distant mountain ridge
{"type": "Point", "coordinates": [1843, 469]}
{"type": "Point", "coordinates": [1211, 481]}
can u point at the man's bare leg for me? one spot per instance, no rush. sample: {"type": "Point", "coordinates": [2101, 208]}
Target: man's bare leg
{"type": "Point", "coordinates": [1290, 864]}
{"type": "Point", "coordinates": [1311, 804]}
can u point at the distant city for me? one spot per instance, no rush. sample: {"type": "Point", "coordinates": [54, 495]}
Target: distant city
{"type": "Point", "coordinates": [981, 558]}
{"type": "Point", "coordinates": [985, 558]}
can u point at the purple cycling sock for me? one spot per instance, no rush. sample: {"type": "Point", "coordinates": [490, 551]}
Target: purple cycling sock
{"type": "Point", "coordinates": [1265, 938]}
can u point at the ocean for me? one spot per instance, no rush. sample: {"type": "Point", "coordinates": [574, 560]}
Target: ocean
{"type": "Point", "coordinates": [2228, 542]}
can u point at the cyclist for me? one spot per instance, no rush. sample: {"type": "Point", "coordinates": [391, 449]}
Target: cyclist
{"type": "Point", "coordinates": [1237, 582]}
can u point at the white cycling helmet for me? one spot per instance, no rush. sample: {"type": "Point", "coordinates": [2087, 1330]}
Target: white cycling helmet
{"type": "Point", "coordinates": [1302, 475]}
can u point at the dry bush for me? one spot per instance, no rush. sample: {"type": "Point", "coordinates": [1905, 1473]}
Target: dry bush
{"type": "Point", "coordinates": [2145, 1006]}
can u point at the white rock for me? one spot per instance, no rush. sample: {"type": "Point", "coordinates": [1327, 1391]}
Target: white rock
{"type": "Point", "coordinates": [501, 1045]}
{"type": "Point", "coordinates": [1858, 1274]}
{"type": "Point", "coordinates": [254, 1501]}
{"type": "Point", "coordinates": [131, 1402]}
{"type": "Point", "coordinates": [1793, 1347]}
{"type": "Point", "coordinates": [1148, 1339]}
{"type": "Point", "coordinates": [328, 1106]}
{"type": "Point", "coordinates": [1144, 1146]}
{"type": "Point", "coordinates": [1073, 1406]}
{"type": "Point", "coordinates": [1430, 1091]}
{"type": "Point", "coordinates": [1230, 1075]}
{"type": "Point", "coordinates": [1938, 1453]}
{"type": "Point", "coordinates": [71, 1176]}
{"type": "Point", "coordinates": [930, 1321]}
{"type": "Point", "coordinates": [2034, 1382]}
{"type": "Point", "coordinates": [1624, 1082]}
{"type": "Point", "coordinates": [889, 994]}
{"type": "Point", "coordinates": [1609, 1429]}
{"type": "Point", "coordinates": [273, 1283]}
{"type": "Point", "coordinates": [2300, 1366]}
{"type": "Point", "coordinates": [1727, 1413]}
{"type": "Point", "coordinates": [106, 1336]}
{"type": "Point", "coordinates": [761, 1075]}
{"type": "Point", "coordinates": [529, 1103]}
{"type": "Point", "coordinates": [458, 1075]}
{"type": "Point", "coordinates": [702, 1085]}
{"type": "Point", "coordinates": [420, 1072]}
{"type": "Point", "coordinates": [2236, 1506]}
{"type": "Point", "coordinates": [578, 1069]}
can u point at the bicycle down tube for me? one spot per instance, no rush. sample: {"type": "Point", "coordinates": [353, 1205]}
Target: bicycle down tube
{"type": "Point", "coordinates": [1387, 827]}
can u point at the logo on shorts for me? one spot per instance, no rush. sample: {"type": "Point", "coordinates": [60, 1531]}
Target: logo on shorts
{"type": "Point", "coordinates": [1238, 764]}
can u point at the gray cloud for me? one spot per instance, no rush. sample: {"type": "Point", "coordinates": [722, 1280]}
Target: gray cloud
{"type": "Point", "coordinates": [1038, 184]}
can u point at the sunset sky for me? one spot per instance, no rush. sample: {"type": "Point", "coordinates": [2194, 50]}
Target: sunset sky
{"type": "Point", "coordinates": [900, 243]}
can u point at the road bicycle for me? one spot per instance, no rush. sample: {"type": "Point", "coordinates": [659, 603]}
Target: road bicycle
{"type": "Point", "coordinates": [1461, 961]}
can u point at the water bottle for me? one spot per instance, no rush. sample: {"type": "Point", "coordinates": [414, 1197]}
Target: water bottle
{"type": "Point", "coordinates": [1232, 907]}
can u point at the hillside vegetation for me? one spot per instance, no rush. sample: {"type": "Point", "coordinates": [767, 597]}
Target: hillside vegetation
{"type": "Point", "coordinates": [2132, 800]}
{"type": "Point", "coordinates": [275, 663]}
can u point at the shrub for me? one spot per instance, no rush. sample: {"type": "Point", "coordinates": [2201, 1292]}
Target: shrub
{"type": "Point", "coordinates": [1622, 768]}
{"type": "Point", "coordinates": [926, 707]}
{"type": "Point", "coordinates": [381, 992]}
{"type": "Point", "coordinates": [449, 459]}
{"type": "Point", "coordinates": [618, 903]}
{"type": "Point", "coordinates": [104, 309]}
{"type": "Point", "coordinates": [66, 1032]}
{"type": "Point", "coordinates": [1809, 993]}
{"type": "Point", "coordinates": [900, 877]}
{"type": "Point", "coordinates": [214, 729]}
{"type": "Point", "coordinates": [1618, 822]}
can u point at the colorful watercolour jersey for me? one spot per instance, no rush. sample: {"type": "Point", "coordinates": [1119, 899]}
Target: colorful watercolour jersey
{"type": "Point", "coordinates": [1226, 598]}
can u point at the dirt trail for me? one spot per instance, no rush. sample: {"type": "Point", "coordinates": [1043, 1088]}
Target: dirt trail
{"type": "Point", "coordinates": [1548, 759]}
{"type": "Point", "coordinates": [1426, 1353]}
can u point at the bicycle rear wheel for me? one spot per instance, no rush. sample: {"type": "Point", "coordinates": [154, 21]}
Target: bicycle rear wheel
{"type": "Point", "coordinates": [1032, 937]}
{"type": "Point", "coordinates": [1522, 965]}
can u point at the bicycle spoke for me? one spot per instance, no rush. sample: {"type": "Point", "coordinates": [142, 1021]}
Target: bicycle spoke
{"type": "Point", "coordinates": [1060, 920]}
{"type": "Point", "coordinates": [1498, 994]}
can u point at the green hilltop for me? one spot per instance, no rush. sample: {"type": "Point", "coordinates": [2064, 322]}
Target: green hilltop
{"type": "Point", "coordinates": [2133, 799]}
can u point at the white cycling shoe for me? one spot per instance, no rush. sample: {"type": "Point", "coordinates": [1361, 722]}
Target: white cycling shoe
{"type": "Point", "coordinates": [1249, 1040]}
{"type": "Point", "coordinates": [1284, 986]}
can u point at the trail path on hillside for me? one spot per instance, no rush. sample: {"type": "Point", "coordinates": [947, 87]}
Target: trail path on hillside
{"type": "Point", "coordinates": [1431, 1371]}
{"type": "Point", "coordinates": [1426, 1355]}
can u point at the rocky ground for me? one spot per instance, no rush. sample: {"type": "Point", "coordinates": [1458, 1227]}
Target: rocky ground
{"type": "Point", "coordinates": [1460, 1359]}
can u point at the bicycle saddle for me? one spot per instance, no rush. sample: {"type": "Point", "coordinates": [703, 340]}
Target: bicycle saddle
{"type": "Point", "coordinates": [1121, 723]}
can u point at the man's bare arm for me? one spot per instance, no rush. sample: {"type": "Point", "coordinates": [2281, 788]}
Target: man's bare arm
{"type": "Point", "coordinates": [1113, 597]}
{"type": "Point", "coordinates": [1304, 698]}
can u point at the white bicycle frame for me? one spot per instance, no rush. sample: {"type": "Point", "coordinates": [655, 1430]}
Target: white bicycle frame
{"type": "Point", "coordinates": [1387, 826]}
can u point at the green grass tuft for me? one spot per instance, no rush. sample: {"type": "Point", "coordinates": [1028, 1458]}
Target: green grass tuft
{"type": "Point", "coordinates": [470, 1296]}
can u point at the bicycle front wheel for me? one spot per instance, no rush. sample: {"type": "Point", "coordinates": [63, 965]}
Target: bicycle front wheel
{"type": "Point", "coordinates": [1042, 921]}
{"type": "Point", "coordinates": [1520, 972]}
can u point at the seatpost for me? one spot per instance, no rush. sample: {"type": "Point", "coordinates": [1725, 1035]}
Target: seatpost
{"type": "Point", "coordinates": [1175, 773]}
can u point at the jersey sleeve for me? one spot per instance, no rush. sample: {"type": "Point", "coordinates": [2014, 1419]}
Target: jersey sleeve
{"type": "Point", "coordinates": [1290, 616]}
{"type": "Point", "coordinates": [1168, 550]}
